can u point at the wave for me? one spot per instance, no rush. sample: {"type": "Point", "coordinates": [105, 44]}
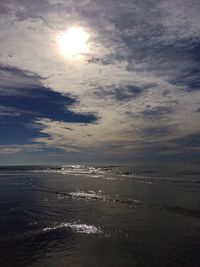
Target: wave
{"type": "Point", "coordinates": [74, 170]}
{"type": "Point", "coordinates": [183, 211]}
{"type": "Point", "coordinates": [92, 195]}
{"type": "Point", "coordinates": [89, 195]}
{"type": "Point", "coordinates": [79, 228]}
{"type": "Point", "coordinates": [99, 196]}
{"type": "Point", "coordinates": [107, 173]}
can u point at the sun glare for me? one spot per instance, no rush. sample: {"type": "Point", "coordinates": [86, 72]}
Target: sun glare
{"type": "Point", "coordinates": [73, 41]}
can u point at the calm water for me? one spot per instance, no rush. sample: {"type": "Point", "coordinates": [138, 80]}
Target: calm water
{"type": "Point", "coordinates": [81, 216]}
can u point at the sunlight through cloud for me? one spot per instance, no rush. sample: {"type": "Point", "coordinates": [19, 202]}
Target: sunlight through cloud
{"type": "Point", "coordinates": [73, 42]}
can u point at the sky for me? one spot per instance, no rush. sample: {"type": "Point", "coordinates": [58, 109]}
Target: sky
{"type": "Point", "coordinates": [132, 96]}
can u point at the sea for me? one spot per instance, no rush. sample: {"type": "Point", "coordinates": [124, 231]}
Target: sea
{"type": "Point", "coordinates": [108, 216]}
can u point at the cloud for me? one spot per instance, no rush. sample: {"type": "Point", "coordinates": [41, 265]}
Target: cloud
{"type": "Point", "coordinates": [24, 102]}
{"type": "Point", "coordinates": [8, 111]}
{"type": "Point", "coordinates": [14, 149]}
{"type": "Point", "coordinates": [120, 93]}
{"type": "Point", "coordinates": [136, 87]}
{"type": "Point", "coordinates": [15, 81]}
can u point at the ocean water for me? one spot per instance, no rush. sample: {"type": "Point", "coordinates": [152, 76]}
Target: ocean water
{"type": "Point", "coordinates": [98, 216]}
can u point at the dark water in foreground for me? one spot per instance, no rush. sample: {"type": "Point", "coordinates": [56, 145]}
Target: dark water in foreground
{"type": "Point", "coordinates": [112, 217]}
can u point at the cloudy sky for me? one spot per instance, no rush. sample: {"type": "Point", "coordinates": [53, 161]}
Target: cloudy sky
{"type": "Point", "coordinates": [131, 96]}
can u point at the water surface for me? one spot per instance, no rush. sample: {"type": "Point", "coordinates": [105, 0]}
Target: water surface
{"type": "Point", "coordinates": [92, 216]}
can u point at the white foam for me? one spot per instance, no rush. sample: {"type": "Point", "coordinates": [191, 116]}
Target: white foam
{"type": "Point", "coordinates": [110, 178]}
{"type": "Point", "coordinates": [75, 170]}
{"type": "Point", "coordinates": [89, 195]}
{"type": "Point", "coordinates": [79, 228]}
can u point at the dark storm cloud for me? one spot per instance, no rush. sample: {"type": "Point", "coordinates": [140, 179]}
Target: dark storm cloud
{"type": "Point", "coordinates": [190, 80]}
{"type": "Point", "coordinates": [158, 131]}
{"type": "Point", "coordinates": [146, 42]}
{"type": "Point", "coordinates": [123, 93]}
{"type": "Point", "coordinates": [157, 112]}
{"type": "Point", "coordinates": [14, 80]}
{"type": "Point", "coordinates": [178, 62]}
{"type": "Point", "coordinates": [188, 144]}
{"type": "Point", "coordinates": [191, 140]}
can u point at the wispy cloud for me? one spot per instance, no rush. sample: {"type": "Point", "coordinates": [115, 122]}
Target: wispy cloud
{"type": "Point", "coordinates": [12, 149]}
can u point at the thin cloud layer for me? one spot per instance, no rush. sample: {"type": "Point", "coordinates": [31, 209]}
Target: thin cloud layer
{"type": "Point", "coordinates": [136, 89]}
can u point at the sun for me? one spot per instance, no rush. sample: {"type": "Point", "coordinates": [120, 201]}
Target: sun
{"type": "Point", "coordinates": [73, 41]}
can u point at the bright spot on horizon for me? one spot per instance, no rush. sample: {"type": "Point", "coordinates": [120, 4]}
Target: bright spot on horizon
{"type": "Point", "coordinates": [73, 41]}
